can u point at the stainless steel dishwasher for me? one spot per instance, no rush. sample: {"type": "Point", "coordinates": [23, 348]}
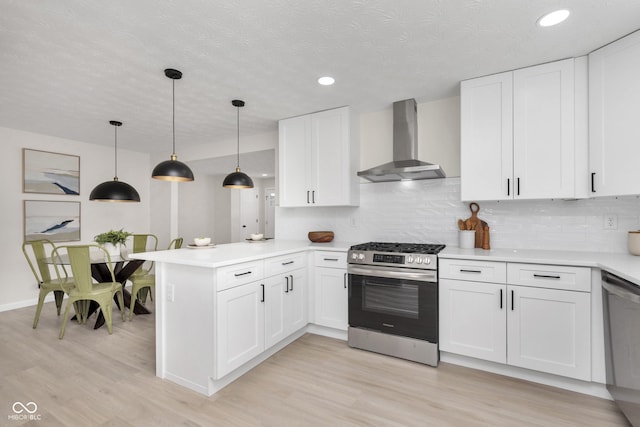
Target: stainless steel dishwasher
{"type": "Point", "coordinates": [621, 300]}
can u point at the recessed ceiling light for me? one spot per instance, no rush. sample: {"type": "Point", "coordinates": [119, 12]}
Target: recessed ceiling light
{"type": "Point", "coordinates": [326, 81]}
{"type": "Point", "coordinates": [265, 174]}
{"type": "Point", "coordinates": [553, 18]}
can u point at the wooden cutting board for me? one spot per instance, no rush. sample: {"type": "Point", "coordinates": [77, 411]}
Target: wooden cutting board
{"type": "Point", "coordinates": [475, 223]}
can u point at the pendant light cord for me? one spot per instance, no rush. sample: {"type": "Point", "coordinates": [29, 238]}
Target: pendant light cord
{"type": "Point", "coordinates": [174, 115]}
{"type": "Point", "coordinates": [115, 155]}
{"type": "Point", "coordinates": [238, 127]}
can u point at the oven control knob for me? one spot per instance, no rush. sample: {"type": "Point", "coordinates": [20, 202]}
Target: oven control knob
{"type": "Point", "coordinates": [419, 260]}
{"type": "Point", "coordinates": [361, 256]}
{"type": "Point", "coordinates": [354, 256]}
{"type": "Point", "coordinates": [409, 259]}
{"type": "Point", "coordinates": [427, 260]}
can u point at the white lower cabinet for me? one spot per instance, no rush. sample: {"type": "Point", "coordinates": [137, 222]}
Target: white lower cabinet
{"type": "Point", "coordinates": [472, 319]}
{"type": "Point", "coordinates": [285, 305]}
{"type": "Point", "coordinates": [240, 326]}
{"type": "Point", "coordinates": [544, 326]}
{"type": "Point", "coordinates": [549, 330]}
{"type": "Point", "coordinates": [330, 290]}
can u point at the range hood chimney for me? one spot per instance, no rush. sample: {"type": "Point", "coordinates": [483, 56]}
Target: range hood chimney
{"type": "Point", "coordinates": [404, 166]}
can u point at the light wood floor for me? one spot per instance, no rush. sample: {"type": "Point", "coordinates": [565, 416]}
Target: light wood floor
{"type": "Point", "coordinates": [93, 379]}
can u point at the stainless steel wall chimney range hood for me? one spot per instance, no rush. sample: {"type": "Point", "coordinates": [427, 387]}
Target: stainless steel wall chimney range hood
{"type": "Point", "coordinates": [404, 166]}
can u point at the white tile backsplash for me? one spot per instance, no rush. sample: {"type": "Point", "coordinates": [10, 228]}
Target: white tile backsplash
{"type": "Point", "coordinates": [428, 211]}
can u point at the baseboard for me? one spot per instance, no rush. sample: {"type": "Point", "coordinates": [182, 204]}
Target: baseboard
{"type": "Point", "coordinates": [584, 387]}
{"type": "Point", "coordinates": [25, 303]}
{"type": "Point", "coordinates": [327, 332]}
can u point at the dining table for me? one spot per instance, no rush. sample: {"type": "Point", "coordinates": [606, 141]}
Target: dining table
{"type": "Point", "coordinates": [123, 268]}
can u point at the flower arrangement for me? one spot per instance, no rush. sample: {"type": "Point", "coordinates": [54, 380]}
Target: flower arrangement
{"type": "Point", "coordinates": [112, 236]}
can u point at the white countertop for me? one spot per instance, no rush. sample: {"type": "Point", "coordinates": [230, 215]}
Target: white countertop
{"type": "Point", "coordinates": [234, 253]}
{"type": "Point", "coordinates": [623, 265]}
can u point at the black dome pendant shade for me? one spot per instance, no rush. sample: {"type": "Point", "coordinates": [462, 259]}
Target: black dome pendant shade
{"type": "Point", "coordinates": [172, 169]}
{"type": "Point", "coordinates": [238, 179]}
{"type": "Point", "coordinates": [114, 191]}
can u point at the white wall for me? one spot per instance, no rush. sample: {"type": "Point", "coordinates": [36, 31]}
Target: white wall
{"type": "Point", "coordinates": [96, 166]}
{"type": "Point", "coordinates": [427, 211]}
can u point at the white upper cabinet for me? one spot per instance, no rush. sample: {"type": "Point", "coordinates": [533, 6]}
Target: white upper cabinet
{"type": "Point", "coordinates": [486, 152]}
{"type": "Point", "coordinates": [318, 160]}
{"type": "Point", "coordinates": [614, 104]}
{"type": "Point", "coordinates": [520, 136]}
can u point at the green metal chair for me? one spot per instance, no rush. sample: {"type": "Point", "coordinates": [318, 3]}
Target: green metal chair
{"type": "Point", "coordinates": [85, 290]}
{"type": "Point", "coordinates": [143, 281]}
{"type": "Point", "coordinates": [35, 252]}
{"type": "Point", "coordinates": [176, 243]}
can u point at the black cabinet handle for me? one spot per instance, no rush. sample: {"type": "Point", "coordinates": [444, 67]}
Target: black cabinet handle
{"type": "Point", "coordinates": [307, 196]}
{"type": "Point", "coordinates": [262, 300]}
{"type": "Point", "coordinates": [518, 181]}
{"type": "Point", "coordinates": [313, 196]}
{"type": "Point", "coordinates": [291, 289]}
{"type": "Point", "coordinates": [513, 297]}
{"type": "Point", "coordinates": [242, 274]}
{"type": "Point", "coordinates": [345, 280]}
{"type": "Point", "coordinates": [545, 276]}
{"type": "Point", "coordinates": [287, 263]}
{"type": "Point", "coordinates": [470, 271]}
{"type": "Point", "coordinates": [331, 259]}
{"type": "Point", "coordinates": [508, 186]}
{"type": "Point", "coordinates": [593, 182]}
{"type": "Point", "coordinates": [500, 299]}
{"type": "Point", "coordinates": [286, 288]}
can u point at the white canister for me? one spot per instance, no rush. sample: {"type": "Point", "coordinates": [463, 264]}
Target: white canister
{"type": "Point", "coordinates": [633, 242]}
{"type": "Point", "coordinates": [467, 239]}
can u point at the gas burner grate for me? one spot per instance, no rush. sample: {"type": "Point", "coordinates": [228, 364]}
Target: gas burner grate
{"type": "Point", "coordinates": [409, 248]}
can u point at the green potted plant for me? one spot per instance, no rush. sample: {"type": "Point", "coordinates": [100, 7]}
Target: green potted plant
{"type": "Point", "coordinates": [112, 240]}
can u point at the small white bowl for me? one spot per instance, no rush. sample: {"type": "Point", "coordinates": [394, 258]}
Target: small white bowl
{"type": "Point", "coordinates": [258, 236]}
{"type": "Point", "coordinates": [202, 241]}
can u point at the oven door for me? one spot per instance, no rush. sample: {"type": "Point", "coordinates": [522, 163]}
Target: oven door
{"type": "Point", "coordinates": [395, 301]}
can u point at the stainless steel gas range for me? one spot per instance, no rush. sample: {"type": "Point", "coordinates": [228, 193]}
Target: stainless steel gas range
{"type": "Point", "coordinates": [393, 299]}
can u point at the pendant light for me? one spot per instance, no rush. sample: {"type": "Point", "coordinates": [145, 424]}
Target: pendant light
{"type": "Point", "coordinates": [238, 179]}
{"type": "Point", "coordinates": [114, 191]}
{"type": "Point", "coordinates": [173, 170]}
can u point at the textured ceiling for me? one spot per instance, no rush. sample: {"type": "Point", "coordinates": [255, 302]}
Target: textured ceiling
{"type": "Point", "coordinates": [70, 66]}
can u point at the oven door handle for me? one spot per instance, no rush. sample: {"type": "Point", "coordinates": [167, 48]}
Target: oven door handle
{"type": "Point", "coordinates": [422, 276]}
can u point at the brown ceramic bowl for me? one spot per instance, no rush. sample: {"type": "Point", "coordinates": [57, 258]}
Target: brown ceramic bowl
{"type": "Point", "coordinates": [321, 236]}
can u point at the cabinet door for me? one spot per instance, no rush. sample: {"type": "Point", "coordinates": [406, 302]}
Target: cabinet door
{"type": "Point", "coordinates": [614, 102]}
{"type": "Point", "coordinates": [543, 131]}
{"type": "Point", "coordinates": [294, 166]}
{"type": "Point", "coordinates": [297, 311]}
{"type": "Point", "coordinates": [473, 319]}
{"type": "Point", "coordinates": [240, 326]}
{"type": "Point", "coordinates": [275, 301]}
{"type": "Point", "coordinates": [331, 157]}
{"type": "Point", "coordinates": [331, 298]}
{"type": "Point", "coordinates": [486, 148]}
{"type": "Point", "coordinates": [549, 330]}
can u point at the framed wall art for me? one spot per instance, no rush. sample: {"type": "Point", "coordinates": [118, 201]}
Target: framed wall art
{"type": "Point", "coordinates": [52, 220]}
{"type": "Point", "coordinates": [45, 172]}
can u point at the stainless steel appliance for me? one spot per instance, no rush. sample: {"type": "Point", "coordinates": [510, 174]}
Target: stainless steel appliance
{"type": "Point", "coordinates": [621, 300]}
{"type": "Point", "coordinates": [393, 299]}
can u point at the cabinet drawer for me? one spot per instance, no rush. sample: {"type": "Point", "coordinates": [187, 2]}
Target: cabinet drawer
{"type": "Point", "coordinates": [331, 259]}
{"type": "Point", "coordinates": [285, 263]}
{"type": "Point", "coordinates": [239, 274]}
{"type": "Point", "coordinates": [475, 271]}
{"type": "Point", "coordinates": [550, 276]}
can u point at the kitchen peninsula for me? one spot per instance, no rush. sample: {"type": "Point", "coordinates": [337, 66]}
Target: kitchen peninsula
{"type": "Point", "coordinates": [221, 311]}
